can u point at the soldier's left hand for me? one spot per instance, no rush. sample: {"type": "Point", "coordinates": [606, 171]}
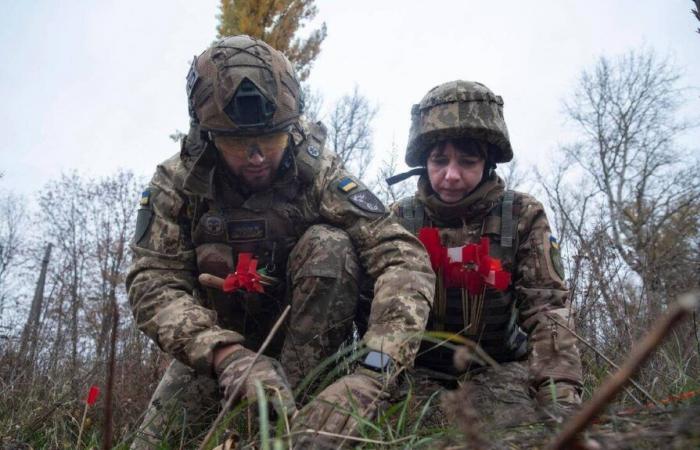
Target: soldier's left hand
{"type": "Point", "coordinates": [340, 409]}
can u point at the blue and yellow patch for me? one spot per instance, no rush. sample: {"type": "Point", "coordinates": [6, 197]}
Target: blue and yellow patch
{"type": "Point", "coordinates": [555, 257]}
{"type": "Point", "coordinates": [553, 242]}
{"type": "Point", "coordinates": [145, 197]}
{"type": "Point", "coordinates": [347, 185]}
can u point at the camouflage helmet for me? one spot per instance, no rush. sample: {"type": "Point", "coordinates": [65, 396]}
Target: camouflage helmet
{"type": "Point", "coordinates": [242, 86]}
{"type": "Point", "coordinates": [454, 110]}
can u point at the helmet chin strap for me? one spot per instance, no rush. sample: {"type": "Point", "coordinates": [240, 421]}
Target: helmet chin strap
{"type": "Point", "coordinates": [406, 175]}
{"type": "Point", "coordinates": [489, 168]}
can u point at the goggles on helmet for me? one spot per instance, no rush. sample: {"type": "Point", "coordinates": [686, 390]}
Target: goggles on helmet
{"type": "Point", "coordinates": [246, 146]}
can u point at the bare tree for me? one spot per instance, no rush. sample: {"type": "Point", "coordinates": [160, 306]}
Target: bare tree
{"type": "Point", "coordinates": [111, 215]}
{"type": "Point", "coordinates": [13, 218]}
{"type": "Point", "coordinates": [387, 168]}
{"type": "Point", "coordinates": [513, 174]}
{"type": "Point", "coordinates": [313, 103]}
{"type": "Point", "coordinates": [63, 212]}
{"type": "Point", "coordinates": [626, 199]}
{"type": "Point", "coordinates": [350, 131]}
{"type": "Point", "coordinates": [627, 113]}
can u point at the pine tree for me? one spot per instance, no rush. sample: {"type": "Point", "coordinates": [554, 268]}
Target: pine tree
{"type": "Point", "coordinates": [276, 22]}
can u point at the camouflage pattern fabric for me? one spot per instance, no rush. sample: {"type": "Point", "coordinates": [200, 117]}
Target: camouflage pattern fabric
{"type": "Point", "coordinates": [336, 408]}
{"type": "Point", "coordinates": [323, 275]}
{"type": "Point", "coordinates": [500, 395]}
{"type": "Point", "coordinates": [250, 66]}
{"type": "Point", "coordinates": [168, 304]}
{"type": "Point", "coordinates": [455, 110]}
{"type": "Point", "coordinates": [266, 370]}
{"type": "Point", "coordinates": [538, 288]}
{"type": "Point", "coordinates": [182, 397]}
{"type": "Point", "coordinates": [345, 237]}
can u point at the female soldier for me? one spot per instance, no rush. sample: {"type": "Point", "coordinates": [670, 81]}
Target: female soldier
{"type": "Point", "coordinates": [457, 137]}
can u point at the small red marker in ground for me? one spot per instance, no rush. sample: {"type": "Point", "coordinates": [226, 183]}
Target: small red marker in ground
{"type": "Point", "coordinates": [93, 393]}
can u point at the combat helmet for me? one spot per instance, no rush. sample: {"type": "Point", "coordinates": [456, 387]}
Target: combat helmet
{"type": "Point", "coordinates": [454, 110]}
{"type": "Point", "coordinates": [241, 86]}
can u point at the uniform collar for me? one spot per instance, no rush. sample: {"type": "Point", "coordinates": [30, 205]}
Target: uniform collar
{"type": "Point", "coordinates": [476, 204]}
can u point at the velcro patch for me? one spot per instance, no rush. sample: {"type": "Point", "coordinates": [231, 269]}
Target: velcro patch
{"type": "Point", "coordinates": [246, 230]}
{"type": "Point", "coordinates": [347, 185]}
{"type": "Point", "coordinates": [192, 77]}
{"type": "Point", "coordinates": [555, 257]}
{"type": "Point", "coordinates": [144, 218]}
{"type": "Point", "coordinates": [367, 201]}
{"type": "Point", "coordinates": [145, 198]}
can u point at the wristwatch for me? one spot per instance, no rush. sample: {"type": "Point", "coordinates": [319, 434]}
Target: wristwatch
{"type": "Point", "coordinates": [378, 362]}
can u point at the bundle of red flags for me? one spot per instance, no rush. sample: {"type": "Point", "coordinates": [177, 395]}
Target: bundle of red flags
{"type": "Point", "coordinates": [468, 267]}
{"type": "Point", "coordinates": [245, 277]}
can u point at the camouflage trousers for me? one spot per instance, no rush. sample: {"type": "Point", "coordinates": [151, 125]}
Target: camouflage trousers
{"type": "Point", "coordinates": [499, 398]}
{"type": "Point", "coordinates": [322, 287]}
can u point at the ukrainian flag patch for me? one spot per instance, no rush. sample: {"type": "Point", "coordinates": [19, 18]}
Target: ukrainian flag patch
{"type": "Point", "coordinates": [145, 198]}
{"type": "Point", "coordinates": [553, 242]}
{"type": "Point", "coordinates": [347, 185]}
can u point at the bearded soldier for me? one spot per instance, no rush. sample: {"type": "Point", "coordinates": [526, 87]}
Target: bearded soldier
{"type": "Point", "coordinates": [253, 191]}
{"type": "Point", "coordinates": [519, 312]}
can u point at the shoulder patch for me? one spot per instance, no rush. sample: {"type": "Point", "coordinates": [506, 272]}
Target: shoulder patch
{"type": "Point", "coordinates": [145, 198]}
{"type": "Point", "coordinates": [313, 151]}
{"type": "Point", "coordinates": [555, 256]}
{"type": "Point", "coordinates": [192, 77]}
{"type": "Point", "coordinates": [144, 216]}
{"type": "Point", "coordinates": [347, 185]}
{"type": "Point", "coordinates": [367, 201]}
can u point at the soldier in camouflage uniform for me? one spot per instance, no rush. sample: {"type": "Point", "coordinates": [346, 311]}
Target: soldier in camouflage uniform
{"type": "Point", "coordinates": [457, 137]}
{"type": "Point", "coordinates": [252, 177]}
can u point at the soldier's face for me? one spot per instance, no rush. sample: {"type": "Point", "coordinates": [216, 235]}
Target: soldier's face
{"type": "Point", "coordinates": [453, 173]}
{"type": "Point", "coordinates": [254, 160]}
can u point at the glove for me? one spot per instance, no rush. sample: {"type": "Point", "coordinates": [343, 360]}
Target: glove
{"type": "Point", "coordinates": [363, 393]}
{"type": "Point", "coordinates": [268, 371]}
{"type": "Point", "coordinates": [557, 401]}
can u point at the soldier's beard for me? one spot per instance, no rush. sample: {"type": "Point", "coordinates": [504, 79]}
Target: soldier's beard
{"type": "Point", "coordinates": [256, 178]}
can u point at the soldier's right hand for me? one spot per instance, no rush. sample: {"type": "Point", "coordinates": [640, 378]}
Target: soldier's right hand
{"type": "Point", "coordinates": [557, 401]}
{"type": "Point", "coordinates": [268, 371]}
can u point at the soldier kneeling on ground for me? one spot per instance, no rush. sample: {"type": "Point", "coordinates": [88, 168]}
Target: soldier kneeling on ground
{"type": "Point", "coordinates": [457, 137]}
{"type": "Point", "coordinates": [254, 189]}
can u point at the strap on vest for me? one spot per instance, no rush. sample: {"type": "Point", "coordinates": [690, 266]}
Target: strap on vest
{"type": "Point", "coordinates": [411, 214]}
{"type": "Point", "coordinates": [507, 219]}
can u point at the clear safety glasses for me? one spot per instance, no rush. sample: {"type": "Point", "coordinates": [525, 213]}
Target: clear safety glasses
{"type": "Point", "coordinates": [243, 147]}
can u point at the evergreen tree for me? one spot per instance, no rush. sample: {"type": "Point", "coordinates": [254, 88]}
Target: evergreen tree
{"type": "Point", "coordinates": [276, 22]}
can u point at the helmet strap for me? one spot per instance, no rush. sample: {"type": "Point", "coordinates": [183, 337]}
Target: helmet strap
{"type": "Point", "coordinates": [403, 176]}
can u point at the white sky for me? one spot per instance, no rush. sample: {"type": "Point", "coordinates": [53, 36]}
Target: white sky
{"type": "Point", "coordinates": [95, 86]}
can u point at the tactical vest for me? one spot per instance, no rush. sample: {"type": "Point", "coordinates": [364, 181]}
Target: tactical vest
{"type": "Point", "coordinates": [497, 332]}
{"type": "Point", "coordinates": [268, 225]}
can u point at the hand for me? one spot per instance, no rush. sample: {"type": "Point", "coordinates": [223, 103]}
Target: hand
{"type": "Point", "coordinates": [268, 371]}
{"type": "Point", "coordinates": [336, 410]}
{"type": "Point", "coordinates": [557, 401]}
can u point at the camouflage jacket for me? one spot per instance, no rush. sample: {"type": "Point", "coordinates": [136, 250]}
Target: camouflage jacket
{"type": "Point", "coordinates": [537, 279]}
{"type": "Point", "coordinates": [162, 281]}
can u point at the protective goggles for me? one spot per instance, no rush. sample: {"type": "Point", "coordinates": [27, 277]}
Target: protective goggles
{"type": "Point", "coordinates": [246, 146]}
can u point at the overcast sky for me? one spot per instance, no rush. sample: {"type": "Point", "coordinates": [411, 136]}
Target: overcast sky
{"type": "Point", "coordinates": [96, 86]}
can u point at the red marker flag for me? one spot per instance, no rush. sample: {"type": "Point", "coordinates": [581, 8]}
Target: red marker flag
{"type": "Point", "coordinates": [469, 267]}
{"type": "Point", "coordinates": [92, 395]}
{"type": "Point", "coordinates": [245, 277]}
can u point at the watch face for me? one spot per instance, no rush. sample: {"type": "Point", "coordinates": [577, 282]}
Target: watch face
{"type": "Point", "coordinates": [377, 360]}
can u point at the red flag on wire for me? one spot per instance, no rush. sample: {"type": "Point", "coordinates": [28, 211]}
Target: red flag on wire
{"type": "Point", "coordinates": [469, 267]}
{"type": "Point", "coordinates": [92, 395]}
{"type": "Point", "coordinates": [245, 277]}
